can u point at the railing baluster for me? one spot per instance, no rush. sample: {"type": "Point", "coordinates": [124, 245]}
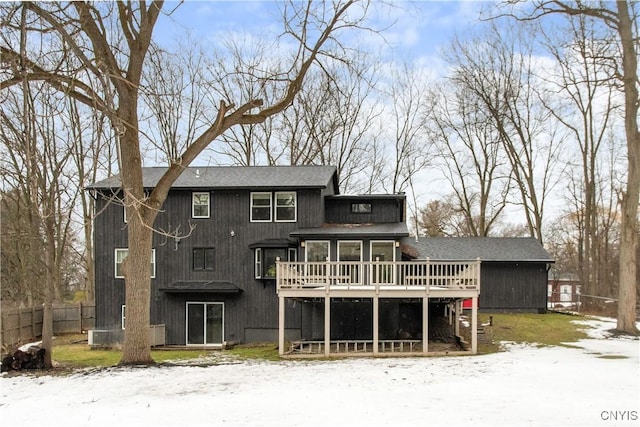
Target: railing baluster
{"type": "Point", "coordinates": [404, 274]}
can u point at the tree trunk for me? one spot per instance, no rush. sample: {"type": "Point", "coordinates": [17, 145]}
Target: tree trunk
{"type": "Point", "coordinates": [140, 219]}
{"type": "Point", "coordinates": [47, 325]}
{"type": "Point", "coordinates": [629, 228]}
{"type": "Point", "coordinates": [137, 346]}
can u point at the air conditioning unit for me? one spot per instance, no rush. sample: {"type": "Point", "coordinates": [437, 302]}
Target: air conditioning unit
{"type": "Point", "coordinates": [109, 337]}
{"type": "Point", "coordinates": [106, 337]}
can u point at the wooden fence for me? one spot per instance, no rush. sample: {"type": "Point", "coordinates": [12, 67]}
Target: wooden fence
{"type": "Point", "coordinates": [23, 325]}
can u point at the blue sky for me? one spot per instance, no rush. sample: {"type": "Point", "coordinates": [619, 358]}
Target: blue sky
{"type": "Point", "coordinates": [415, 29]}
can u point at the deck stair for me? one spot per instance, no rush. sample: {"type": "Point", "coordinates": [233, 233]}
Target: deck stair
{"type": "Point", "coordinates": [482, 336]}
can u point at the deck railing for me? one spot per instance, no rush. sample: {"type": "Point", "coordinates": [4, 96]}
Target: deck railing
{"type": "Point", "coordinates": [428, 275]}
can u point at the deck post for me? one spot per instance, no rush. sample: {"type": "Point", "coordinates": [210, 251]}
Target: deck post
{"type": "Point", "coordinates": [425, 324]}
{"type": "Point", "coordinates": [376, 323]}
{"type": "Point", "coordinates": [281, 311]}
{"type": "Point", "coordinates": [458, 309]}
{"type": "Point", "coordinates": [474, 325]}
{"type": "Point", "coordinates": [327, 325]}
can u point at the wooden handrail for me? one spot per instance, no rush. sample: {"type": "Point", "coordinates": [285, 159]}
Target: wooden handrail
{"type": "Point", "coordinates": [431, 275]}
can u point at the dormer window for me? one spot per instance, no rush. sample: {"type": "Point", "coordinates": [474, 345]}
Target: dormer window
{"type": "Point", "coordinates": [361, 207]}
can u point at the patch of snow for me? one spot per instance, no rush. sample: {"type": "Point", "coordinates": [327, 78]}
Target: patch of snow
{"type": "Point", "coordinates": [27, 346]}
{"type": "Point", "coordinates": [525, 385]}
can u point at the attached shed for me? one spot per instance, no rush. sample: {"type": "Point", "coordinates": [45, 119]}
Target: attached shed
{"type": "Point", "coordinates": [514, 270]}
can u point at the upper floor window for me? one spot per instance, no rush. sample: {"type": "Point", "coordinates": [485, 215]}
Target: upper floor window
{"type": "Point", "coordinates": [203, 259]}
{"type": "Point", "coordinates": [200, 207]}
{"type": "Point", "coordinates": [121, 254]}
{"type": "Point", "coordinates": [281, 205]}
{"type": "Point", "coordinates": [361, 207]}
{"type": "Point", "coordinates": [260, 207]}
{"type": "Point", "coordinates": [286, 206]}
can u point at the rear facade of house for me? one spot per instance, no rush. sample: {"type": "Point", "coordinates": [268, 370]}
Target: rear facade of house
{"type": "Point", "coordinates": [265, 254]}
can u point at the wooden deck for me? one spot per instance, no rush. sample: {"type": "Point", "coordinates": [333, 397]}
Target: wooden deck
{"type": "Point", "coordinates": [423, 280]}
{"type": "Point", "coordinates": [461, 278]}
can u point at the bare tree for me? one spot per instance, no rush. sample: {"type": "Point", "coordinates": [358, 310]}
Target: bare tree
{"type": "Point", "coordinates": [173, 92]}
{"type": "Point", "coordinates": [622, 18]}
{"type": "Point", "coordinates": [405, 127]}
{"type": "Point", "coordinates": [329, 122]}
{"type": "Point", "coordinates": [93, 156]}
{"type": "Point", "coordinates": [586, 110]}
{"type": "Point", "coordinates": [245, 68]}
{"type": "Point", "coordinates": [500, 70]}
{"type": "Point", "coordinates": [89, 30]}
{"type": "Point", "coordinates": [38, 169]}
{"type": "Point", "coordinates": [22, 250]}
{"type": "Point", "coordinates": [470, 156]}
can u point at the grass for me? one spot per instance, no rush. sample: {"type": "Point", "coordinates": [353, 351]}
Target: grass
{"type": "Point", "coordinates": [263, 351]}
{"type": "Point", "coordinates": [551, 329]}
{"type": "Point", "coordinates": [82, 356]}
{"type": "Point", "coordinates": [73, 351]}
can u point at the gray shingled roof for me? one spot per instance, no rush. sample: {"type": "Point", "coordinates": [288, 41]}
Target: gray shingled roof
{"type": "Point", "coordinates": [393, 229]}
{"type": "Point", "coordinates": [257, 177]}
{"type": "Point", "coordinates": [514, 249]}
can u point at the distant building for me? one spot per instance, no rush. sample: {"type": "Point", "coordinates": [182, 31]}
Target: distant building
{"type": "Point", "coordinates": [563, 289]}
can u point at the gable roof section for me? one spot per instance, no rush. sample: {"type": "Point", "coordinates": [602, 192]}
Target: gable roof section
{"type": "Point", "coordinates": [239, 177]}
{"type": "Point", "coordinates": [505, 249]}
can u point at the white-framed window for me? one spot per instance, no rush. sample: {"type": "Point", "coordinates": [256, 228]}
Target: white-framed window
{"type": "Point", "coordinates": [123, 314]}
{"type": "Point", "coordinates": [286, 202]}
{"type": "Point", "coordinates": [265, 260]}
{"type": "Point", "coordinates": [258, 263]}
{"type": "Point", "coordinates": [260, 207]}
{"type": "Point", "coordinates": [292, 254]}
{"type": "Point", "coordinates": [350, 252]}
{"type": "Point", "coordinates": [200, 205]}
{"type": "Point", "coordinates": [316, 253]}
{"type": "Point", "coordinates": [121, 254]}
{"type": "Point", "coordinates": [316, 250]}
{"type": "Point", "coordinates": [384, 253]}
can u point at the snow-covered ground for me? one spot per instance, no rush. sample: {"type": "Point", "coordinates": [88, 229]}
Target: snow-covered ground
{"type": "Point", "coordinates": [597, 383]}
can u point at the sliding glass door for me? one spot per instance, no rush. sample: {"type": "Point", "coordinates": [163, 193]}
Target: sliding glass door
{"type": "Point", "coordinates": [205, 323]}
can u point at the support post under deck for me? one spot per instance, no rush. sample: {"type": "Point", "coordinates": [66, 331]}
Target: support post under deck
{"type": "Point", "coordinates": [425, 325]}
{"type": "Point", "coordinates": [474, 325]}
{"type": "Point", "coordinates": [376, 323]}
{"type": "Point", "coordinates": [458, 310]}
{"type": "Point", "coordinates": [281, 312]}
{"type": "Point", "coordinates": [327, 326]}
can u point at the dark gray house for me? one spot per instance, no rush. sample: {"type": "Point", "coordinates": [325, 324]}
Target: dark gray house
{"type": "Point", "coordinates": [277, 254]}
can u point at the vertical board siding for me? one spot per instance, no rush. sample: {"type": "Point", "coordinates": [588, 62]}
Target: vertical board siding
{"type": "Point", "coordinates": [383, 210]}
{"type": "Point", "coordinates": [230, 232]}
{"type": "Point", "coordinates": [513, 286]}
{"type": "Point", "coordinates": [109, 233]}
